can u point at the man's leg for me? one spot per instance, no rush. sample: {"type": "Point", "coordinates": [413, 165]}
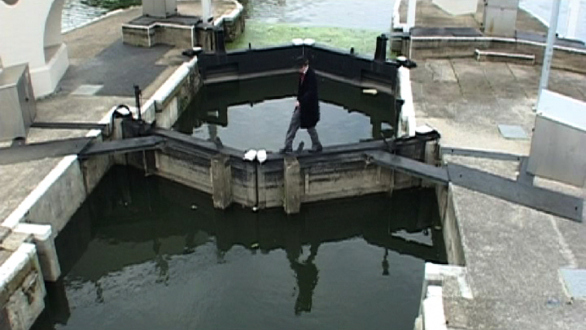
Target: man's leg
{"type": "Point", "coordinates": [315, 144]}
{"type": "Point", "coordinates": [293, 128]}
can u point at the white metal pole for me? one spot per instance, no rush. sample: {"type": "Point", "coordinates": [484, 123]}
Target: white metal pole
{"type": "Point", "coordinates": [206, 9]}
{"type": "Point", "coordinates": [411, 14]}
{"type": "Point", "coordinates": [547, 57]}
{"type": "Point", "coordinates": [573, 17]}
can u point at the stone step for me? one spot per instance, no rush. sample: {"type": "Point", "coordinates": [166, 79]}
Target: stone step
{"type": "Point", "coordinates": [499, 56]}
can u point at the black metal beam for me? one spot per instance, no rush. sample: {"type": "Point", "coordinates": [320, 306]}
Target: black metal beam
{"type": "Point", "coordinates": [481, 154]}
{"type": "Point", "coordinates": [409, 166]}
{"type": "Point", "coordinates": [36, 151]}
{"type": "Point", "coordinates": [66, 125]}
{"type": "Point", "coordinates": [548, 201]}
{"type": "Point", "coordinates": [123, 146]}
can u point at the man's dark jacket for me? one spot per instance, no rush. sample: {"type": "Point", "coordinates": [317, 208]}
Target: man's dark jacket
{"type": "Point", "coordinates": [308, 99]}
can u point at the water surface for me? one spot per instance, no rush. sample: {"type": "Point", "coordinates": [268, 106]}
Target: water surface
{"type": "Point", "coordinates": [256, 113]}
{"type": "Point", "coordinates": [146, 253]}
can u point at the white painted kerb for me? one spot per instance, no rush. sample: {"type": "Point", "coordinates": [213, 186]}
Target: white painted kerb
{"type": "Point", "coordinates": [15, 263]}
{"type": "Point", "coordinates": [407, 123]}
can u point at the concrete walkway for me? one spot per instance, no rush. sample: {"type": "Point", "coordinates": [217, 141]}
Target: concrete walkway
{"type": "Point", "coordinates": [513, 254]}
{"type": "Point", "coordinates": [97, 57]}
{"type": "Point", "coordinates": [430, 15]}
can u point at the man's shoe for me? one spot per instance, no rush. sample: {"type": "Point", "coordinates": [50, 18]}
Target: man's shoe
{"type": "Point", "coordinates": [316, 149]}
{"type": "Point", "coordinates": [286, 150]}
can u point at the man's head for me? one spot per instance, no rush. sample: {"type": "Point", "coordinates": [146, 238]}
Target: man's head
{"type": "Point", "coordinates": [302, 62]}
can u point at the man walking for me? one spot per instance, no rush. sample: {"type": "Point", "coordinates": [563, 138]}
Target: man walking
{"type": "Point", "coordinates": [306, 113]}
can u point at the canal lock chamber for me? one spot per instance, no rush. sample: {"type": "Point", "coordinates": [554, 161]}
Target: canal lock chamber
{"type": "Point", "coordinates": [353, 209]}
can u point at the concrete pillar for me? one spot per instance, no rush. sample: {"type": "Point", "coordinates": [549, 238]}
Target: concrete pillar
{"type": "Point", "coordinates": [31, 33]}
{"type": "Point", "coordinates": [457, 7]}
{"type": "Point", "coordinates": [221, 175]}
{"type": "Point", "coordinates": [45, 244]}
{"type": "Point", "coordinates": [292, 185]}
{"type": "Point", "coordinates": [206, 9]}
{"type": "Point", "coordinates": [412, 9]}
{"type": "Point", "coordinates": [573, 19]}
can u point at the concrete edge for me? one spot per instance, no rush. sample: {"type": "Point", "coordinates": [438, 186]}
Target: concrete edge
{"type": "Point", "coordinates": [431, 311]}
{"type": "Point", "coordinates": [18, 259]}
{"type": "Point", "coordinates": [407, 119]}
{"type": "Point", "coordinates": [173, 82]}
{"type": "Point", "coordinates": [233, 15]}
{"type": "Point", "coordinates": [498, 39]}
{"type": "Point", "coordinates": [24, 207]}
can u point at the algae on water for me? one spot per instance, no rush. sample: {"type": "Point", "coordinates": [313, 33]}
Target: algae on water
{"type": "Point", "coordinates": [260, 34]}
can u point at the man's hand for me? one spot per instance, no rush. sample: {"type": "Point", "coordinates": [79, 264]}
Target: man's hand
{"type": "Point", "coordinates": [297, 104]}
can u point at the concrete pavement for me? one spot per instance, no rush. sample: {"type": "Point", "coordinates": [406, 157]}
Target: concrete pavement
{"type": "Point", "coordinates": [513, 254]}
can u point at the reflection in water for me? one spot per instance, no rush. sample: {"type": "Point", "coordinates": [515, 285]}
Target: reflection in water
{"type": "Point", "coordinates": [256, 113]}
{"type": "Point", "coordinates": [145, 253]}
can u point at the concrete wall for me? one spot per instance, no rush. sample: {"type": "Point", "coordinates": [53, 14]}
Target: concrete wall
{"type": "Point", "coordinates": [450, 227]}
{"type": "Point", "coordinates": [314, 178]}
{"type": "Point", "coordinates": [234, 24]}
{"type": "Point", "coordinates": [139, 36]}
{"type": "Point", "coordinates": [22, 290]}
{"type": "Point", "coordinates": [31, 34]}
{"type": "Point", "coordinates": [174, 35]}
{"type": "Point", "coordinates": [173, 97]}
{"type": "Point", "coordinates": [565, 58]}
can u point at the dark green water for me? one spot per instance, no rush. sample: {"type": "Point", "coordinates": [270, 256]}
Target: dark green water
{"type": "Point", "coordinates": [146, 253]}
{"type": "Point", "coordinates": [256, 113]}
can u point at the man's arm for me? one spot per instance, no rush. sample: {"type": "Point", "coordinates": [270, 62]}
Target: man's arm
{"type": "Point", "coordinates": [310, 91]}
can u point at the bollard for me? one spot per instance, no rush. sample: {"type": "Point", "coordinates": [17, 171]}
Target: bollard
{"type": "Point", "coordinates": [220, 41]}
{"type": "Point", "coordinates": [380, 53]}
{"type": "Point", "coordinates": [292, 185]}
{"type": "Point", "coordinates": [221, 176]}
{"type": "Point", "coordinates": [45, 245]}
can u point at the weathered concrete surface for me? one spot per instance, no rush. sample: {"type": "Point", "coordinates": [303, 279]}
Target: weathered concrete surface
{"type": "Point", "coordinates": [430, 15]}
{"type": "Point", "coordinates": [429, 40]}
{"type": "Point", "coordinates": [513, 256]}
{"type": "Point", "coordinates": [512, 253]}
{"type": "Point", "coordinates": [466, 100]}
{"type": "Point", "coordinates": [21, 287]}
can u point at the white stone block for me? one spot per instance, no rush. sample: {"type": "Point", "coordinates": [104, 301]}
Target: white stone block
{"type": "Point", "coordinates": [457, 7]}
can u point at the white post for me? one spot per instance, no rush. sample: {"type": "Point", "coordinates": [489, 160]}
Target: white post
{"type": "Point", "coordinates": [574, 15]}
{"type": "Point", "coordinates": [551, 36]}
{"type": "Point", "coordinates": [206, 9]}
{"type": "Point", "coordinates": [411, 14]}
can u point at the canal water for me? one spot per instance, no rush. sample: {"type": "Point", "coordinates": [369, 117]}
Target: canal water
{"type": "Point", "coordinates": [147, 253]}
{"type": "Point", "coordinates": [256, 113]}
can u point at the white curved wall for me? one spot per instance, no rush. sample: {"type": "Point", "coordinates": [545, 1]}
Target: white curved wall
{"type": "Point", "coordinates": [29, 27]}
